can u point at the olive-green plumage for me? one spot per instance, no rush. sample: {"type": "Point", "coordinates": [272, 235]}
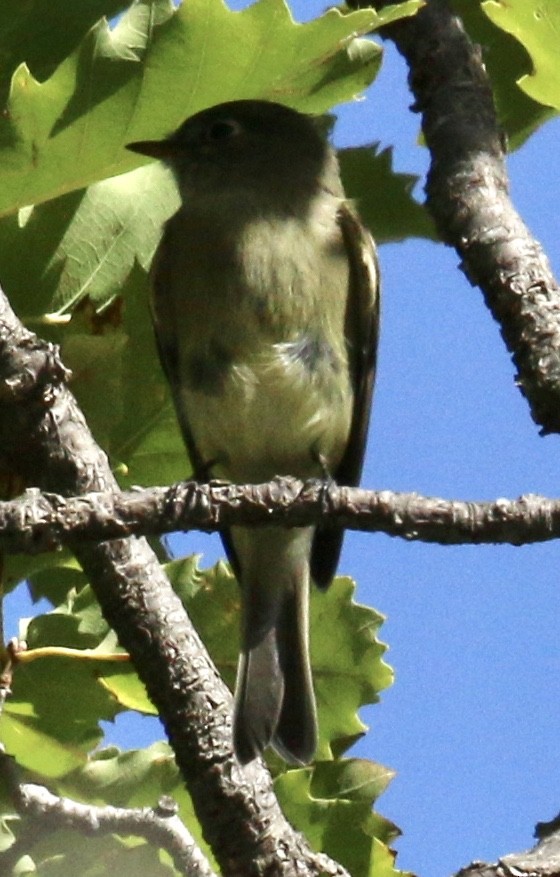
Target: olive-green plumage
{"type": "Point", "coordinates": [265, 312]}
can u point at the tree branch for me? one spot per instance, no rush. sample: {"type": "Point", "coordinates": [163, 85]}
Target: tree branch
{"type": "Point", "coordinates": [467, 194]}
{"type": "Point", "coordinates": [542, 860]}
{"type": "Point", "coordinates": [45, 812]}
{"type": "Point", "coordinates": [41, 522]}
{"type": "Point", "coordinates": [45, 440]}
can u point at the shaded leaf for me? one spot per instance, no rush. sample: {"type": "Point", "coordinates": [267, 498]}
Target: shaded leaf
{"type": "Point", "coordinates": [59, 855]}
{"type": "Point", "coordinates": [119, 384]}
{"type": "Point", "coordinates": [52, 718]}
{"type": "Point", "coordinates": [83, 246]}
{"type": "Point", "coordinates": [42, 33]}
{"type": "Point", "coordinates": [384, 197]}
{"type": "Point", "coordinates": [137, 778]}
{"type": "Point", "coordinates": [50, 575]}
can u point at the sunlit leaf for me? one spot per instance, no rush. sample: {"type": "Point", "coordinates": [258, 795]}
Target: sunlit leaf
{"type": "Point", "coordinates": [70, 131]}
{"type": "Point", "coordinates": [506, 62]}
{"type": "Point", "coordinates": [341, 825]}
{"type": "Point", "coordinates": [384, 197]}
{"type": "Point", "coordinates": [535, 24]}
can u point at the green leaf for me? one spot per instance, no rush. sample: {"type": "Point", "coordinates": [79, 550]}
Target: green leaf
{"type": "Point", "coordinates": [50, 575]}
{"type": "Point", "coordinates": [395, 216]}
{"type": "Point", "coordinates": [119, 384]}
{"type": "Point", "coordinates": [125, 686]}
{"type": "Point", "coordinates": [84, 245]}
{"type": "Point", "coordinates": [147, 438]}
{"type": "Point", "coordinates": [36, 745]}
{"type": "Point", "coordinates": [506, 62]}
{"type": "Point", "coordinates": [340, 824]}
{"type": "Point", "coordinates": [70, 131]}
{"type": "Point", "coordinates": [120, 680]}
{"type": "Point", "coordinates": [86, 253]}
{"type": "Point", "coordinates": [351, 675]}
{"type": "Point", "coordinates": [42, 33]}
{"type": "Point", "coordinates": [59, 855]}
{"type": "Point", "coordinates": [52, 718]}
{"type": "Point", "coordinates": [353, 779]}
{"type": "Point", "coordinates": [212, 600]}
{"type": "Point", "coordinates": [395, 11]}
{"type": "Point", "coordinates": [535, 24]}
{"type": "Point", "coordinates": [137, 778]}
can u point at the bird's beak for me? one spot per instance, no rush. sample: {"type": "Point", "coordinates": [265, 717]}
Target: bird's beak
{"type": "Point", "coordinates": [154, 148]}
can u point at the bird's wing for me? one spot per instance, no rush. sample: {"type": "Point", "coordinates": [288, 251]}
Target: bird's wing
{"type": "Point", "coordinates": [165, 321]}
{"type": "Point", "coordinates": [362, 330]}
{"type": "Point", "coordinates": [164, 318]}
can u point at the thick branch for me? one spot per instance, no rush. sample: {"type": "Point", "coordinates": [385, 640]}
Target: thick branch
{"type": "Point", "coordinates": [41, 522]}
{"type": "Point", "coordinates": [467, 191]}
{"type": "Point", "coordinates": [44, 439]}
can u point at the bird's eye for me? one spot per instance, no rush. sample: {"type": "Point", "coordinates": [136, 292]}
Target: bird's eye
{"type": "Point", "coordinates": [222, 130]}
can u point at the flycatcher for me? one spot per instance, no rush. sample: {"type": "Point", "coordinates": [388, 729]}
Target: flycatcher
{"type": "Point", "coordinates": [265, 309]}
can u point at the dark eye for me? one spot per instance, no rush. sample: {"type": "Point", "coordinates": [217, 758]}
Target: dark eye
{"type": "Point", "coordinates": [222, 130]}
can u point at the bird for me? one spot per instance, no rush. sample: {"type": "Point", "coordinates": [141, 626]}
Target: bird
{"type": "Point", "coordinates": [265, 307]}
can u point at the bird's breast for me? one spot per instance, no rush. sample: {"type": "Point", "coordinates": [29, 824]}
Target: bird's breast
{"type": "Point", "coordinates": [281, 410]}
{"type": "Point", "coordinates": [260, 307]}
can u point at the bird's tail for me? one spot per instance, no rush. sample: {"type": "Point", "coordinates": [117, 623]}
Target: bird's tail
{"type": "Point", "coordinates": [274, 699]}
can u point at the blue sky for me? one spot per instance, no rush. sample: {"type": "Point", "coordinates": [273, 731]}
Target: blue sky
{"type": "Point", "coordinates": [471, 724]}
